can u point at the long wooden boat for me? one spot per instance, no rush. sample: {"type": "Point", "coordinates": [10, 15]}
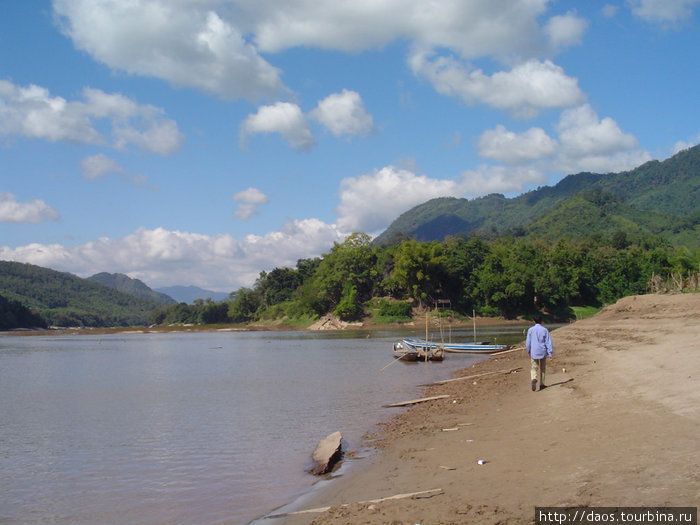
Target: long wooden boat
{"type": "Point", "coordinates": [455, 348]}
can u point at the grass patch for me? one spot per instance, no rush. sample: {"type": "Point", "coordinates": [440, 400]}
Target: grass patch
{"type": "Point", "coordinates": [388, 311]}
{"type": "Point", "coordinates": [584, 312]}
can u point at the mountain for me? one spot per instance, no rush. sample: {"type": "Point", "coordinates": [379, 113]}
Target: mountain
{"type": "Point", "coordinates": [661, 198]}
{"type": "Point", "coordinates": [126, 284]}
{"type": "Point", "coordinates": [63, 299]}
{"type": "Point", "coordinates": [188, 294]}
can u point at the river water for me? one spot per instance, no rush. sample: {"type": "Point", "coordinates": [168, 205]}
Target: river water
{"type": "Point", "coordinates": [201, 428]}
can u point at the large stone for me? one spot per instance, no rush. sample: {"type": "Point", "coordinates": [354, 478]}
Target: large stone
{"type": "Point", "coordinates": [328, 452]}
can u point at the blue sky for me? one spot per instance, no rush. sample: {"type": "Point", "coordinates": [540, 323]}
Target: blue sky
{"type": "Point", "coordinates": [199, 142]}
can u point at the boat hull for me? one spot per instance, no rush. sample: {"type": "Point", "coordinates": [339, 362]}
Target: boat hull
{"type": "Point", "coordinates": [408, 352]}
{"type": "Point", "coordinates": [405, 353]}
{"type": "Point", "coordinates": [425, 351]}
{"type": "Point", "coordinates": [455, 348]}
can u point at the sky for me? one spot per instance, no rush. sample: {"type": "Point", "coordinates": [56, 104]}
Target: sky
{"type": "Point", "coordinates": [200, 142]}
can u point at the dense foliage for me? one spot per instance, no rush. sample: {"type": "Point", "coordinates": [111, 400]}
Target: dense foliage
{"type": "Point", "coordinates": [14, 314]}
{"type": "Point", "coordinates": [63, 299]}
{"type": "Point", "coordinates": [507, 277]}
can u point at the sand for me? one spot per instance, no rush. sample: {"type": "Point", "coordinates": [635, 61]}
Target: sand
{"type": "Point", "coordinates": [617, 426]}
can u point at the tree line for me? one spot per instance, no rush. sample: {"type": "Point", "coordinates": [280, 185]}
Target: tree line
{"type": "Point", "coordinates": [505, 277]}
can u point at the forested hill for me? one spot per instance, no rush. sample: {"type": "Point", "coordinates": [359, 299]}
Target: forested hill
{"type": "Point", "coordinates": [63, 299]}
{"type": "Point", "coordinates": [14, 314]}
{"type": "Point", "coordinates": [126, 284]}
{"type": "Point", "coordinates": [658, 198]}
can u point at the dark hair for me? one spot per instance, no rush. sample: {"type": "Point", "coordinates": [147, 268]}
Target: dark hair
{"type": "Point", "coordinates": [537, 319]}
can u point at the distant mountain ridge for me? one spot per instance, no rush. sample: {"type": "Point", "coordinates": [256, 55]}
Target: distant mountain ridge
{"type": "Point", "coordinates": [64, 299]}
{"type": "Point", "coordinates": [188, 294]}
{"type": "Point", "coordinates": [126, 284]}
{"type": "Point", "coordinates": [661, 198]}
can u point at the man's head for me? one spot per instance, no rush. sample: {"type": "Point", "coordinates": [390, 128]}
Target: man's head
{"type": "Point", "coordinates": [537, 319]}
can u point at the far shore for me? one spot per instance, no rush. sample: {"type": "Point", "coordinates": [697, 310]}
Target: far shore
{"type": "Point", "coordinates": [365, 326]}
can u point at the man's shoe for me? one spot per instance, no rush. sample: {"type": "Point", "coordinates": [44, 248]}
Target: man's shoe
{"type": "Point", "coordinates": [542, 387]}
{"type": "Point", "coordinates": [534, 384]}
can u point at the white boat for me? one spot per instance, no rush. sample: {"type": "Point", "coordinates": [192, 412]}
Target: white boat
{"type": "Point", "coordinates": [422, 350]}
{"type": "Point", "coordinates": [405, 352]}
{"type": "Point", "coordinates": [455, 348]}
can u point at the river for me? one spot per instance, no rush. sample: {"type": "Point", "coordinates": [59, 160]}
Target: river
{"type": "Point", "coordinates": [214, 427]}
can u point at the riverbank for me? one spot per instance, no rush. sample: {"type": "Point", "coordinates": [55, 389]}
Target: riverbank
{"type": "Point", "coordinates": [326, 323]}
{"type": "Point", "coordinates": [617, 426]}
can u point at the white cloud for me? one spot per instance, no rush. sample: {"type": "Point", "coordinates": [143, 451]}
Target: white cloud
{"type": "Point", "coordinates": [34, 211]}
{"type": "Point", "coordinates": [523, 91]}
{"type": "Point", "coordinates": [343, 114]}
{"type": "Point", "coordinates": [215, 45]}
{"type": "Point", "coordinates": [582, 134]}
{"type": "Point", "coordinates": [511, 148]}
{"type": "Point", "coordinates": [682, 144]}
{"type": "Point", "coordinates": [248, 202]}
{"type": "Point", "coordinates": [159, 137]}
{"type": "Point", "coordinates": [564, 30]}
{"type": "Point", "coordinates": [284, 118]}
{"type": "Point", "coordinates": [585, 143]}
{"type": "Point", "coordinates": [589, 143]}
{"type": "Point", "coordinates": [183, 42]}
{"type": "Point", "coordinates": [161, 257]}
{"type": "Point", "coordinates": [474, 28]}
{"type": "Point", "coordinates": [370, 202]}
{"type": "Point", "coordinates": [98, 166]}
{"type": "Point", "coordinates": [33, 113]}
{"type": "Point", "coordinates": [663, 11]}
{"type": "Point", "coordinates": [499, 179]}
{"type": "Point", "coordinates": [610, 163]}
{"type": "Point", "coordinates": [251, 196]}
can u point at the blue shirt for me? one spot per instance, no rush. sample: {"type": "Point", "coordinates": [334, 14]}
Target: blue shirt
{"type": "Point", "coordinates": [537, 343]}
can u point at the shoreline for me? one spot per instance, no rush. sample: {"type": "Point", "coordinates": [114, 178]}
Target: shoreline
{"type": "Point", "coordinates": [617, 426]}
{"type": "Point", "coordinates": [169, 329]}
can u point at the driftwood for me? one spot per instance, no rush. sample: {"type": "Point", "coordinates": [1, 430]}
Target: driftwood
{"type": "Point", "coordinates": [516, 349]}
{"type": "Point", "coordinates": [414, 401]}
{"type": "Point", "coordinates": [328, 452]}
{"type": "Point", "coordinates": [504, 371]}
{"type": "Point", "coordinates": [417, 495]}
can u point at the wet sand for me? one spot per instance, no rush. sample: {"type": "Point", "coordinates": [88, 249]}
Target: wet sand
{"type": "Point", "coordinates": [618, 425]}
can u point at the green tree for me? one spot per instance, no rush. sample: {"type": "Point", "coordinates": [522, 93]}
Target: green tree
{"type": "Point", "coordinates": [349, 307]}
{"type": "Point", "coordinates": [419, 270]}
{"type": "Point", "coordinates": [278, 285]}
{"type": "Point", "coordinates": [213, 313]}
{"type": "Point", "coordinates": [559, 275]}
{"type": "Point", "coordinates": [351, 262]}
{"type": "Point", "coordinates": [244, 306]}
{"type": "Point", "coordinates": [462, 259]}
{"type": "Point", "coordinates": [506, 278]}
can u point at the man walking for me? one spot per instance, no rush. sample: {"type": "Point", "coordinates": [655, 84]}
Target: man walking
{"type": "Point", "coordinates": [539, 347]}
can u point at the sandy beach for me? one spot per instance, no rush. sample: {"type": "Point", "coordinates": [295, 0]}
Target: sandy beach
{"type": "Point", "coordinates": [617, 426]}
